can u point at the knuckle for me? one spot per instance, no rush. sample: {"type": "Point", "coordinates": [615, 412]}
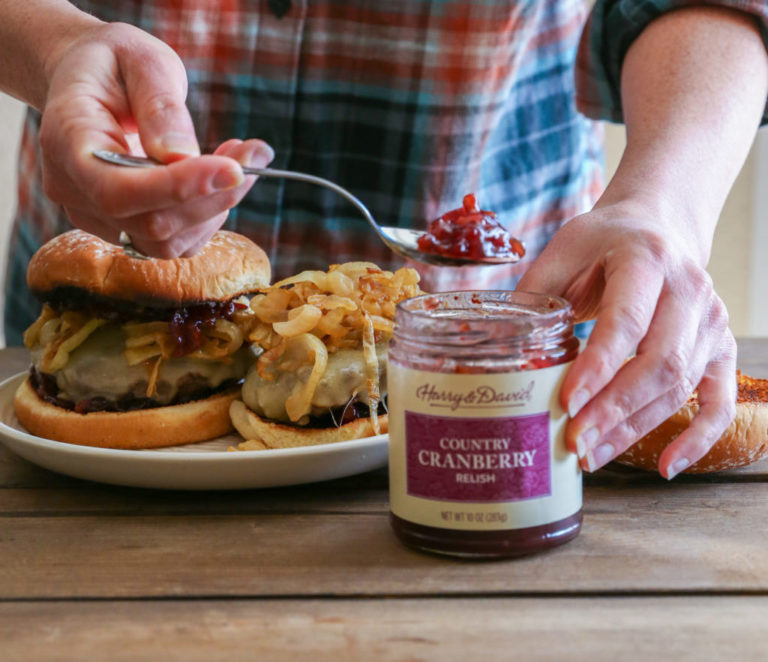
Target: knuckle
{"type": "Point", "coordinates": [699, 281]}
{"type": "Point", "coordinates": [632, 319]}
{"type": "Point", "coordinates": [728, 349]}
{"type": "Point", "coordinates": [672, 367]}
{"type": "Point", "coordinates": [681, 392]}
{"type": "Point", "coordinates": [179, 189]}
{"type": "Point", "coordinates": [718, 314]}
{"type": "Point", "coordinates": [120, 31]}
{"type": "Point", "coordinates": [157, 227]}
{"type": "Point", "coordinates": [631, 431]}
{"type": "Point", "coordinates": [623, 407]}
{"type": "Point", "coordinates": [599, 362]}
{"type": "Point", "coordinates": [159, 105]}
{"type": "Point", "coordinates": [655, 246]}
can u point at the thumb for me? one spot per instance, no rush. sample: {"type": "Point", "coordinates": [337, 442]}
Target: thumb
{"type": "Point", "coordinates": [156, 85]}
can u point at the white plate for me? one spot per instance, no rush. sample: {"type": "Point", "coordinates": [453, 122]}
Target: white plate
{"type": "Point", "coordinates": [203, 466]}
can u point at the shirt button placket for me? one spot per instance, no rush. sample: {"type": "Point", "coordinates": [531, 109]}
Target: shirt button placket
{"type": "Point", "coordinates": [276, 65]}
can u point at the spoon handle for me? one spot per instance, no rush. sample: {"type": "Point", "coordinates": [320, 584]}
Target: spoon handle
{"type": "Point", "coordinates": [145, 162]}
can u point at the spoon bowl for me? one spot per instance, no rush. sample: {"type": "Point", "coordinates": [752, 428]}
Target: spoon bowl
{"type": "Point", "coordinates": [403, 241]}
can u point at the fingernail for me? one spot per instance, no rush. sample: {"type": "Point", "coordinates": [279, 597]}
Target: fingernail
{"type": "Point", "coordinates": [227, 179]}
{"type": "Point", "coordinates": [261, 156]}
{"type": "Point", "coordinates": [600, 456]}
{"type": "Point", "coordinates": [577, 401]}
{"type": "Point", "coordinates": [585, 440]}
{"type": "Point", "coordinates": [180, 143]}
{"type": "Point", "coordinates": [677, 467]}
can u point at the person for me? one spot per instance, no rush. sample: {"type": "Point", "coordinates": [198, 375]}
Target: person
{"type": "Point", "coordinates": [411, 105]}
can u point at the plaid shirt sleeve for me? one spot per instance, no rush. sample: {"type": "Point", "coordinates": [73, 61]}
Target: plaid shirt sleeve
{"type": "Point", "coordinates": [610, 30]}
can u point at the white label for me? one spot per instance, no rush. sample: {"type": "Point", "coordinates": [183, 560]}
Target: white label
{"type": "Point", "coordinates": [480, 451]}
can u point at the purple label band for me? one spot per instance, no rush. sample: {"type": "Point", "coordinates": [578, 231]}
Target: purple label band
{"type": "Point", "coordinates": [480, 460]}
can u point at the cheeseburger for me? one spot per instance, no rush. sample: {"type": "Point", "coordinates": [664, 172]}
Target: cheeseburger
{"type": "Point", "coordinates": [131, 353]}
{"type": "Point", "coordinates": [322, 374]}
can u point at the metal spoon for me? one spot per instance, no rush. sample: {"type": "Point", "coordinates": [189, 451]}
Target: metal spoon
{"type": "Point", "coordinates": [402, 241]}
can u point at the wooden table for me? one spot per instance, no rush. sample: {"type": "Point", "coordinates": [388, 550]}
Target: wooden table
{"type": "Point", "coordinates": [661, 570]}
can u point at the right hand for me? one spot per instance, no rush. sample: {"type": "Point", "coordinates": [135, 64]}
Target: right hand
{"type": "Point", "coordinates": [116, 87]}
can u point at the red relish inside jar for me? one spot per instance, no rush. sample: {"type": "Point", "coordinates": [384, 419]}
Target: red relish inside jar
{"type": "Point", "coordinates": [478, 464]}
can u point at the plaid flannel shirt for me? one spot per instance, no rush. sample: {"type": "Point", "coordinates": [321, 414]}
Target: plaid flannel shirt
{"type": "Point", "coordinates": [410, 104]}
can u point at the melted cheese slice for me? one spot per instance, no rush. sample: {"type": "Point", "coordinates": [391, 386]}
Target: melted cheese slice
{"type": "Point", "coordinates": [344, 380]}
{"type": "Point", "coordinates": [97, 368]}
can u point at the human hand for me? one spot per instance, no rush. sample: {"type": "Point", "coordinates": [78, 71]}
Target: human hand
{"type": "Point", "coordinates": [644, 281]}
{"type": "Point", "coordinates": [116, 87]}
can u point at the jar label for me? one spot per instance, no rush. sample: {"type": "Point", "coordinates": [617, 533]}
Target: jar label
{"type": "Point", "coordinates": [480, 451]}
{"type": "Point", "coordinates": [478, 459]}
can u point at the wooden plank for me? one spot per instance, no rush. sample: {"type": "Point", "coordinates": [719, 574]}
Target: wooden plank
{"type": "Point", "coordinates": [617, 473]}
{"type": "Point", "coordinates": [49, 495]}
{"type": "Point", "coordinates": [16, 472]}
{"type": "Point", "coordinates": [690, 538]}
{"type": "Point", "coordinates": [578, 630]}
{"type": "Point", "coordinates": [366, 493]}
{"type": "Point", "coordinates": [363, 493]}
{"type": "Point", "coordinates": [27, 491]}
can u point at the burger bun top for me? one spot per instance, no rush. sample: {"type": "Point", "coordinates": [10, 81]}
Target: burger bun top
{"type": "Point", "coordinates": [226, 267]}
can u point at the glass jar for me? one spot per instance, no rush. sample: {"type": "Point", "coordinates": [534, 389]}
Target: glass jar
{"type": "Point", "coordinates": [477, 462]}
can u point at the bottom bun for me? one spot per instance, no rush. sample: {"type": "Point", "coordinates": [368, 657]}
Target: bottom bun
{"type": "Point", "coordinates": [142, 428]}
{"type": "Point", "coordinates": [744, 442]}
{"type": "Point", "coordinates": [270, 434]}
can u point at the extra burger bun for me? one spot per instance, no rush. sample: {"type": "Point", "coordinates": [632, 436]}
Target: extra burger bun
{"type": "Point", "coordinates": [745, 441]}
{"type": "Point", "coordinates": [260, 433]}
{"type": "Point", "coordinates": [143, 428]}
{"type": "Point", "coordinates": [226, 267]}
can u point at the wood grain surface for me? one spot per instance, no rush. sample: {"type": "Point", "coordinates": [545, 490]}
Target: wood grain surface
{"type": "Point", "coordinates": [662, 570]}
{"type": "Point", "coordinates": [450, 630]}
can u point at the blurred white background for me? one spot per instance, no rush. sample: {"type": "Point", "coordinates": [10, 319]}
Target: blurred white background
{"type": "Point", "coordinates": [738, 265]}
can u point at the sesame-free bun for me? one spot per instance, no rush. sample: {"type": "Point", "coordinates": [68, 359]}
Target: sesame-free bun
{"type": "Point", "coordinates": [155, 427]}
{"type": "Point", "coordinates": [744, 442]}
{"type": "Point", "coordinates": [227, 266]}
{"type": "Point", "coordinates": [272, 434]}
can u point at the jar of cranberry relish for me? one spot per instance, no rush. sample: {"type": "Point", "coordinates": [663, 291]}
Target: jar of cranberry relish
{"type": "Point", "coordinates": [477, 462]}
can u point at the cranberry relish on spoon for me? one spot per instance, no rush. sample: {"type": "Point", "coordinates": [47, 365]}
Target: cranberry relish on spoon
{"type": "Point", "coordinates": [470, 232]}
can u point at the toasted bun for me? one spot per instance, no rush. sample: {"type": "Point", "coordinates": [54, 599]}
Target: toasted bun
{"type": "Point", "coordinates": [276, 435]}
{"type": "Point", "coordinates": [227, 266]}
{"type": "Point", "coordinates": [745, 441]}
{"type": "Point", "coordinates": [144, 428]}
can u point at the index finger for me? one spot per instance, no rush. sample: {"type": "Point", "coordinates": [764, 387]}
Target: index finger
{"type": "Point", "coordinates": [85, 124]}
{"type": "Point", "coordinates": [156, 87]}
{"type": "Point", "coordinates": [121, 192]}
{"type": "Point", "coordinates": [632, 288]}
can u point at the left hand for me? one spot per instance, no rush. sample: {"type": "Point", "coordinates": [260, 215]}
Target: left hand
{"type": "Point", "coordinates": [644, 281]}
